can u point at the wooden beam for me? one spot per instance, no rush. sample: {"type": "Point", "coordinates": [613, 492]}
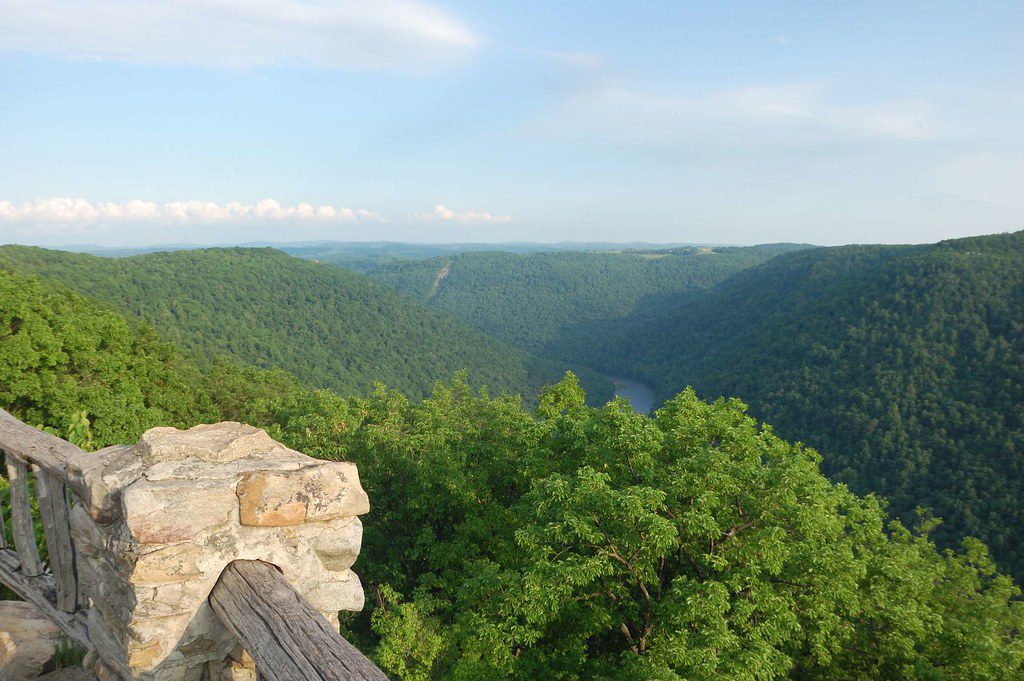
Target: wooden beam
{"type": "Point", "coordinates": [37, 447]}
{"type": "Point", "coordinates": [38, 591]}
{"type": "Point", "coordinates": [21, 517]}
{"type": "Point", "coordinates": [286, 636]}
{"type": "Point", "coordinates": [53, 511]}
{"type": "Point", "coordinates": [3, 530]}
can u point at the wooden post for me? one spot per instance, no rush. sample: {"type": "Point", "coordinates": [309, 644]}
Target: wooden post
{"type": "Point", "coordinates": [21, 518]}
{"type": "Point", "coordinates": [39, 592]}
{"type": "Point", "coordinates": [3, 530]}
{"type": "Point", "coordinates": [53, 511]}
{"type": "Point", "coordinates": [286, 636]}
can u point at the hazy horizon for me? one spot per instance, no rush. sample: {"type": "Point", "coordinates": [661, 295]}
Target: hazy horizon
{"type": "Point", "coordinates": [568, 244]}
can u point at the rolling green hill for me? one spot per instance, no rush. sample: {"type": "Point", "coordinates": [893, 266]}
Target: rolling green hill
{"type": "Point", "coordinates": [95, 377]}
{"type": "Point", "coordinates": [561, 304]}
{"type": "Point", "coordinates": [327, 326]}
{"type": "Point", "coordinates": [903, 365]}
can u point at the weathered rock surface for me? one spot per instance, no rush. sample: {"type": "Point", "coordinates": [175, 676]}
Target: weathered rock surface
{"type": "Point", "coordinates": [309, 494]}
{"type": "Point", "coordinates": [219, 442]}
{"type": "Point", "coordinates": [27, 641]}
{"type": "Point", "coordinates": [164, 518]}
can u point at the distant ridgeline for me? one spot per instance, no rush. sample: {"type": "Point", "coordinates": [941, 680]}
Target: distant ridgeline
{"type": "Point", "coordinates": [329, 327]}
{"type": "Point", "coordinates": [559, 304]}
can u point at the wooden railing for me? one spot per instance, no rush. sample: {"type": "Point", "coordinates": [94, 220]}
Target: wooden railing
{"type": "Point", "coordinates": [286, 636]}
{"type": "Point", "coordinates": [53, 587]}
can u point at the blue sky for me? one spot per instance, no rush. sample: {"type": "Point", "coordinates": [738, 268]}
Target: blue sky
{"type": "Point", "coordinates": [127, 123]}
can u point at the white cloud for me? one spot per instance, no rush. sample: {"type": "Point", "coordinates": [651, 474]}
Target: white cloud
{"type": "Point", "coordinates": [442, 212]}
{"type": "Point", "coordinates": [69, 212]}
{"type": "Point", "coordinates": [402, 35]}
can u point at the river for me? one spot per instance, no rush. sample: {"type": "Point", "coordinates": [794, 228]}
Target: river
{"type": "Point", "coordinates": [640, 396]}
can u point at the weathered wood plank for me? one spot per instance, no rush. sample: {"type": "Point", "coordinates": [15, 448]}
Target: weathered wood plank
{"type": "Point", "coordinates": [3, 530]}
{"type": "Point", "coordinates": [53, 511]}
{"type": "Point", "coordinates": [34, 445]}
{"type": "Point", "coordinates": [286, 636]}
{"type": "Point", "coordinates": [39, 448]}
{"type": "Point", "coordinates": [21, 517]}
{"type": "Point", "coordinates": [39, 592]}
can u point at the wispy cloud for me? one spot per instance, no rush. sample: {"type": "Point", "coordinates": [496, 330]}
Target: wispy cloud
{"type": "Point", "coordinates": [741, 119]}
{"type": "Point", "coordinates": [442, 212]}
{"type": "Point", "coordinates": [70, 212]}
{"type": "Point", "coordinates": [587, 60]}
{"type": "Point", "coordinates": [400, 35]}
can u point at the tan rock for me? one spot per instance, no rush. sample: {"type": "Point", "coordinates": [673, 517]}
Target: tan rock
{"type": "Point", "coordinates": [145, 654]}
{"type": "Point", "coordinates": [161, 521]}
{"type": "Point", "coordinates": [341, 591]}
{"type": "Point", "coordinates": [104, 474]}
{"type": "Point", "coordinates": [337, 546]}
{"type": "Point", "coordinates": [167, 565]}
{"type": "Point", "coordinates": [280, 458]}
{"type": "Point", "coordinates": [175, 510]}
{"type": "Point", "coordinates": [218, 442]}
{"type": "Point", "coordinates": [27, 641]}
{"type": "Point", "coordinates": [319, 492]}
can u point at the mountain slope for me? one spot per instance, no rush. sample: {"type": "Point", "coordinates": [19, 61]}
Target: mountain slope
{"type": "Point", "coordinates": [329, 327]}
{"type": "Point", "coordinates": [92, 375]}
{"type": "Point", "coordinates": [903, 365]}
{"type": "Point", "coordinates": [560, 304]}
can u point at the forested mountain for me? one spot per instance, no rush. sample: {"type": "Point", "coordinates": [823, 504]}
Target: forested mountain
{"type": "Point", "coordinates": [559, 304]}
{"type": "Point", "coordinates": [329, 327]}
{"type": "Point", "coordinates": [904, 366]}
{"type": "Point", "coordinates": [93, 376]}
{"type": "Point", "coordinates": [567, 542]}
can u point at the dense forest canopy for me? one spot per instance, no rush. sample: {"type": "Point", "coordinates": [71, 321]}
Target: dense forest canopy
{"type": "Point", "coordinates": [565, 541]}
{"type": "Point", "coordinates": [85, 371]}
{"type": "Point", "coordinates": [903, 365]}
{"type": "Point", "coordinates": [329, 327]}
{"type": "Point", "coordinates": [553, 304]}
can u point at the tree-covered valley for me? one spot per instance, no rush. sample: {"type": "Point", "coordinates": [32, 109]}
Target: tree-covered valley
{"type": "Point", "coordinates": [556, 304]}
{"type": "Point", "coordinates": [562, 540]}
{"type": "Point", "coordinates": [903, 365]}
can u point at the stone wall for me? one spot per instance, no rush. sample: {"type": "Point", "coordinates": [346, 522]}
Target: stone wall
{"type": "Point", "coordinates": [165, 516]}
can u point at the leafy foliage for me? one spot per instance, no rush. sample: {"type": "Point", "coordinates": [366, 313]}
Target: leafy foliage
{"type": "Point", "coordinates": [593, 543]}
{"type": "Point", "coordinates": [61, 356]}
{"type": "Point", "coordinates": [904, 365]}
{"type": "Point", "coordinates": [328, 327]}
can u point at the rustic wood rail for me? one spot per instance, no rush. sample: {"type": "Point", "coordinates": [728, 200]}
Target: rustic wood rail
{"type": "Point", "coordinates": [285, 635]}
{"type": "Point", "coordinates": [32, 453]}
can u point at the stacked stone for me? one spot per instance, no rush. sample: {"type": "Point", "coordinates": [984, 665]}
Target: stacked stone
{"type": "Point", "coordinates": [165, 516]}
